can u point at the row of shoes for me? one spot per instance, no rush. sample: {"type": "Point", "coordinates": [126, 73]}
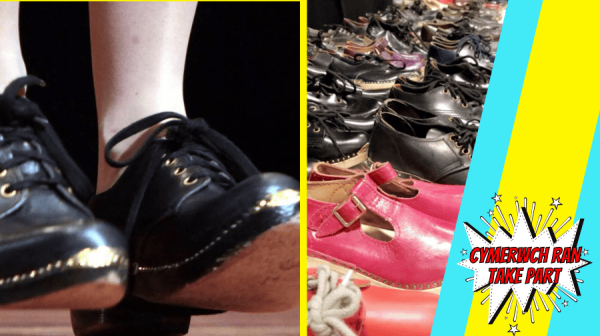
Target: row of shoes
{"type": "Point", "coordinates": [394, 103]}
{"type": "Point", "coordinates": [406, 85]}
{"type": "Point", "coordinates": [190, 227]}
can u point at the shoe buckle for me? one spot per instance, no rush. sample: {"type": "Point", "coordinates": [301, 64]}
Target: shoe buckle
{"type": "Point", "coordinates": [358, 203]}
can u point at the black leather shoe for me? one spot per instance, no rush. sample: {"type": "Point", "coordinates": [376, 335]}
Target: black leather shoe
{"type": "Point", "coordinates": [437, 149]}
{"type": "Point", "coordinates": [333, 81]}
{"type": "Point", "coordinates": [367, 71]}
{"type": "Point", "coordinates": [330, 90]}
{"type": "Point", "coordinates": [206, 229]}
{"type": "Point", "coordinates": [464, 70]}
{"type": "Point", "coordinates": [470, 45]}
{"type": "Point", "coordinates": [53, 252]}
{"type": "Point", "coordinates": [397, 34]}
{"type": "Point", "coordinates": [439, 94]}
{"type": "Point", "coordinates": [330, 139]}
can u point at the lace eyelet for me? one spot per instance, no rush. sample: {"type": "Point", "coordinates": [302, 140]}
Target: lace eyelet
{"type": "Point", "coordinates": [445, 91]}
{"type": "Point", "coordinates": [465, 105]}
{"type": "Point", "coordinates": [7, 194]}
{"type": "Point", "coordinates": [455, 98]}
{"type": "Point", "coordinates": [188, 181]}
{"type": "Point", "coordinates": [465, 151]}
{"type": "Point", "coordinates": [313, 108]}
{"type": "Point", "coordinates": [3, 173]}
{"type": "Point", "coordinates": [308, 125]}
{"type": "Point", "coordinates": [317, 130]}
{"type": "Point", "coordinates": [70, 190]}
{"type": "Point", "coordinates": [339, 100]}
{"type": "Point", "coordinates": [178, 171]}
{"type": "Point", "coordinates": [170, 162]}
{"type": "Point", "coordinates": [450, 118]}
{"type": "Point", "coordinates": [452, 137]}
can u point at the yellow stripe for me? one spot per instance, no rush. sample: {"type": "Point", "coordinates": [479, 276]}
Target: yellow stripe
{"type": "Point", "coordinates": [551, 138]}
{"type": "Point", "coordinates": [303, 163]}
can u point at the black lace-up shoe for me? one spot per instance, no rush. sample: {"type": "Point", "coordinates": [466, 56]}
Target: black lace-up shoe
{"type": "Point", "coordinates": [331, 90]}
{"type": "Point", "coordinates": [436, 149]}
{"type": "Point", "coordinates": [206, 230]}
{"type": "Point", "coordinates": [464, 70]}
{"type": "Point", "coordinates": [470, 45]}
{"type": "Point", "coordinates": [439, 94]}
{"type": "Point", "coordinates": [53, 252]}
{"type": "Point", "coordinates": [331, 138]}
{"type": "Point", "coordinates": [367, 71]}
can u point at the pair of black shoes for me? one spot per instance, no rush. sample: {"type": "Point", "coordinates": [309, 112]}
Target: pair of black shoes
{"type": "Point", "coordinates": [190, 227]}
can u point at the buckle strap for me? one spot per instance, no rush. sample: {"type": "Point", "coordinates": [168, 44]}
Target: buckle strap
{"type": "Point", "coordinates": [347, 212]}
{"type": "Point", "coordinates": [342, 216]}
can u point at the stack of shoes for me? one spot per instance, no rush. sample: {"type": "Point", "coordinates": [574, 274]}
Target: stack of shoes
{"type": "Point", "coordinates": [432, 58]}
{"type": "Point", "coordinates": [190, 227]}
{"type": "Point", "coordinates": [395, 101]}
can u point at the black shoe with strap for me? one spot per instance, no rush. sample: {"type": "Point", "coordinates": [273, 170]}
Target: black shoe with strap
{"type": "Point", "coordinates": [204, 226]}
{"type": "Point", "coordinates": [53, 252]}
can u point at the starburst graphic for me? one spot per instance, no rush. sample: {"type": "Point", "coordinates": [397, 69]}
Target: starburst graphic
{"type": "Point", "coordinates": [513, 329]}
{"type": "Point", "coordinates": [463, 251]}
{"type": "Point", "coordinates": [496, 198]}
{"type": "Point", "coordinates": [555, 203]}
{"type": "Point", "coordinates": [517, 281]}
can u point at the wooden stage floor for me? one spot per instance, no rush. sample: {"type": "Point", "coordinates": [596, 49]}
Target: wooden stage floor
{"type": "Point", "coordinates": [57, 323]}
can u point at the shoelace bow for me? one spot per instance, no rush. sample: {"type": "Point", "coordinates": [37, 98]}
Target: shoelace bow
{"type": "Point", "coordinates": [472, 66]}
{"type": "Point", "coordinates": [325, 117]}
{"type": "Point", "coordinates": [480, 44]}
{"type": "Point", "coordinates": [377, 58]}
{"type": "Point", "coordinates": [466, 134]}
{"type": "Point", "coordinates": [22, 121]}
{"type": "Point", "coordinates": [331, 303]}
{"type": "Point", "coordinates": [461, 29]}
{"type": "Point", "coordinates": [332, 81]}
{"type": "Point", "coordinates": [222, 161]}
{"type": "Point", "coordinates": [466, 92]}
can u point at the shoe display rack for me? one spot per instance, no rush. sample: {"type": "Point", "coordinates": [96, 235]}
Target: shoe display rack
{"type": "Point", "coordinates": [394, 104]}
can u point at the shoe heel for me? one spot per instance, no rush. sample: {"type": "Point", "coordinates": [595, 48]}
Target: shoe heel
{"type": "Point", "coordinates": [131, 319]}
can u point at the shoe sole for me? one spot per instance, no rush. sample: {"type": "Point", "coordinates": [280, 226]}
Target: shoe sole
{"type": "Point", "coordinates": [314, 260]}
{"type": "Point", "coordinates": [91, 279]}
{"type": "Point", "coordinates": [374, 86]}
{"type": "Point", "coordinates": [355, 160]}
{"type": "Point", "coordinates": [263, 276]}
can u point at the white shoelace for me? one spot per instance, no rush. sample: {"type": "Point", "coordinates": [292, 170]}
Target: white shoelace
{"type": "Point", "coordinates": [332, 303]}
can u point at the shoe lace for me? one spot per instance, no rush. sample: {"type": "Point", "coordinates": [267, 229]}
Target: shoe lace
{"type": "Point", "coordinates": [472, 66]}
{"type": "Point", "coordinates": [331, 81]}
{"type": "Point", "coordinates": [211, 150]}
{"type": "Point", "coordinates": [22, 121]}
{"type": "Point", "coordinates": [480, 44]}
{"type": "Point", "coordinates": [331, 303]}
{"type": "Point", "coordinates": [460, 30]}
{"type": "Point", "coordinates": [326, 117]}
{"type": "Point", "coordinates": [465, 135]}
{"type": "Point", "coordinates": [466, 92]}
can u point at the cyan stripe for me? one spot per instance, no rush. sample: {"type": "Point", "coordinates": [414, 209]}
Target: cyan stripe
{"type": "Point", "coordinates": [488, 160]}
{"type": "Point", "coordinates": [580, 318]}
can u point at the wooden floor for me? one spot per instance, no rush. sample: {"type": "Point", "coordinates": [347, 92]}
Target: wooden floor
{"type": "Point", "coordinates": [57, 323]}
